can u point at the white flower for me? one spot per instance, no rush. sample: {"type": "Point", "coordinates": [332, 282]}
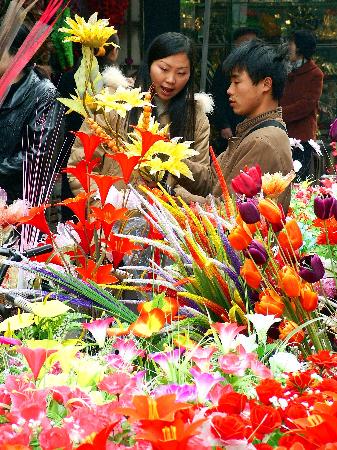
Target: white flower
{"type": "Point", "coordinates": [296, 143]}
{"type": "Point", "coordinates": [247, 342]}
{"type": "Point", "coordinates": [66, 236]}
{"type": "Point", "coordinates": [297, 165]}
{"type": "Point", "coordinates": [315, 146]}
{"type": "Point", "coordinates": [122, 198]}
{"type": "Point", "coordinates": [284, 362]}
{"type": "Point", "coordinates": [261, 324]}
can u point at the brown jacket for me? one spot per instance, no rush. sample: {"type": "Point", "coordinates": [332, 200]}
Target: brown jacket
{"type": "Point", "coordinates": [300, 101]}
{"type": "Point", "coordinates": [109, 166]}
{"type": "Point", "coordinates": [269, 147]}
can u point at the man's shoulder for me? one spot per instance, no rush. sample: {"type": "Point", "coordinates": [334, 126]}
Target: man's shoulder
{"type": "Point", "coordinates": [269, 136]}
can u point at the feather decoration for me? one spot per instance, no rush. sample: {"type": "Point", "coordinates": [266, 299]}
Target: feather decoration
{"type": "Point", "coordinates": [32, 43]}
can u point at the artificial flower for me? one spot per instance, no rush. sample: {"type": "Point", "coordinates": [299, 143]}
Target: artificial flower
{"type": "Point", "coordinates": [49, 309]}
{"type": "Point", "coordinates": [93, 33]}
{"type": "Point", "coordinates": [122, 100]}
{"type": "Point", "coordinates": [251, 274]}
{"type": "Point", "coordinates": [256, 252]}
{"type": "Point", "coordinates": [273, 184]}
{"type": "Point", "coordinates": [240, 237]}
{"type": "Point", "coordinates": [289, 281]}
{"type": "Point", "coordinates": [324, 206]}
{"type": "Point", "coordinates": [311, 268]}
{"type": "Point", "coordinates": [289, 330]}
{"type": "Point", "coordinates": [270, 210]}
{"type": "Point", "coordinates": [35, 358]}
{"type": "Point", "coordinates": [308, 298]}
{"type": "Point", "coordinates": [269, 303]}
{"type": "Point", "coordinates": [248, 211]}
{"type": "Point", "coordinates": [98, 328]}
{"type": "Point", "coordinates": [148, 323]}
{"type": "Point", "coordinates": [248, 182]}
{"type": "Point", "coordinates": [290, 238]}
{"type": "Point", "coordinates": [261, 324]}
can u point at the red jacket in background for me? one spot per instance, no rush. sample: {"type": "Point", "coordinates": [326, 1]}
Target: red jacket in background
{"type": "Point", "coordinates": [300, 101]}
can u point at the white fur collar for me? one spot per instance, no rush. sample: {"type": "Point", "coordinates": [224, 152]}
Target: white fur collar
{"type": "Point", "coordinates": [113, 77]}
{"type": "Point", "coordinates": [205, 101]}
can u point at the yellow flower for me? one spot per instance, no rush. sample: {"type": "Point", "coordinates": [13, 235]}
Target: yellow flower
{"type": "Point", "coordinates": [49, 309]}
{"type": "Point", "coordinates": [93, 33]}
{"type": "Point", "coordinates": [273, 184]}
{"type": "Point", "coordinates": [17, 322]}
{"type": "Point", "coordinates": [122, 101]}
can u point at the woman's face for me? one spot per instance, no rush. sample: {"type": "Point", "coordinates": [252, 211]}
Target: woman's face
{"type": "Point", "coordinates": [169, 75]}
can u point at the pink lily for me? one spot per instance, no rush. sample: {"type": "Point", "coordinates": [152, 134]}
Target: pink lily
{"type": "Point", "coordinates": [201, 356]}
{"type": "Point", "coordinates": [35, 358]}
{"type": "Point", "coordinates": [227, 333]}
{"type": "Point", "coordinates": [204, 382]}
{"type": "Point", "coordinates": [98, 328]}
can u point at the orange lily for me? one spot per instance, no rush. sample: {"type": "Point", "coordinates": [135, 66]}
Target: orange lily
{"type": "Point", "coordinates": [270, 303]}
{"type": "Point", "coordinates": [148, 323]}
{"type": "Point", "coordinates": [126, 164]}
{"type": "Point", "coordinates": [250, 274]}
{"type": "Point", "coordinates": [36, 218]}
{"type": "Point", "coordinates": [290, 238]}
{"type": "Point", "coordinates": [168, 305]}
{"type": "Point", "coordinates": [119, 247]}
{"type": "Point", "coordinates": [240, 237]}
{"type": "Point", "coordinates": [107, 216]}
{"type": "Point", "coordinates": [308, 298]}
{"type": "Point", "coordinates": [270, 211]}
{"type": "Point", "coordinates": [104, 183]}
{"type": "Point", "coordinates": [100, 275]}
{"type": "Point", "coordinates": [147, 408]}
{"type": "Point", "coordinates": [80, 171]}
{"type": "Point", "coordinates": [148, 139]}
{"type": "Point", "coordinates": [287, 327]}
{"type": "Point", "coordinates": [90, 142]}
{"type": "Point", "coordinates": [273, 184]}
{"type": "Point", "coordinates": [289, 281]}
{"type": "Point", "coordinates": [78, 205]}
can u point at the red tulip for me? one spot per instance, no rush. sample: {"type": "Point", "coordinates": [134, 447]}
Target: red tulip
{"type": "Point", "coordinates": [248, 182]}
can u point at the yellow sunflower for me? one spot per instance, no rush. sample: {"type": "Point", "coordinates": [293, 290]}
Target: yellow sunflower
{"type": "Point", "coordinates": [93, 33]}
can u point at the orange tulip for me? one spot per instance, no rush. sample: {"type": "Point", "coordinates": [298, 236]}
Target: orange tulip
{"type": "Point", "coordinates": [287, 327]}
{"type": "Point", "coordinates": [148, 323]}
{"type": "Point", "coordinates": [289, 281]}
{"type": "Point", "coordinates": [240, 238]}
{"type": "Point", "coordinates": [250, 274]}
{"type": "Point", "coordinates": [291, 237]}
{"type": "Point", "coordinates": [270, 211]}
{"type": "Point", "coordinates": [270, 303]}
{"type": "Point", "coordinates": [168, 305]}
{"type": "Point", "coordinates": [308, 298]}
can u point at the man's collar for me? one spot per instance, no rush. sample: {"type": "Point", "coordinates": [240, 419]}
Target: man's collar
{"type": "Point", "coordinates": [247, 124]}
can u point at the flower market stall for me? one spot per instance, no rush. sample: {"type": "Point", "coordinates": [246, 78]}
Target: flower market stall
{"type": "Point", "coordinates": [146, 323]}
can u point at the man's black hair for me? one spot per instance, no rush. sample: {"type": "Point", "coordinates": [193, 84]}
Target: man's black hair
{"type": "Point", "coordinates": [260, 61]}
{"type": "Point", "coordinates": [242, 31]}
{"type": "Point", "coordinates": [305, 42]}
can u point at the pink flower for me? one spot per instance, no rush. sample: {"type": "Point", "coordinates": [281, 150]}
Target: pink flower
{"type": "Point", "coordinates": [204, 383]}
{"type": "Point", "coordinates": [166, 360]}
{"type": "Point", "coordinates": [127, 349]}
{"type": "Point", "coordinates": [9, 341]}
{"type": "Point", "coordinates": [35, 358]}
{"type": "Point", "coordinates": [201, 356]}
{"type": "Point", "coordinates": [227, 333]}
{"type": "Point", "coordinates": [117, 383]}
{"type": "Point", "coordinates": [55, 438]}
{"type": "Point", "coordinates": [71, 398]}
{"type": "Point", "coordinates": [234, 364]}
{"type": "Point", "coordinates": [98, 328]}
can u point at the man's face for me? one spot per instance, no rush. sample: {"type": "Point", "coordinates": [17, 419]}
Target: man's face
{"type": "Point", "coordinates": [244, 96]}
{"type": "Point", "coordinates": [293, 56]}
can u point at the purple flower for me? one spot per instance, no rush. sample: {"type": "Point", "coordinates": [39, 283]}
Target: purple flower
{"type": "Point", "coordinates": [166, 360]}
{"type": "Point", "coordinates": [205, 382]}
{"type": "Point", "coordinates": [248, 211]}
{"type": "Point", "coordinates": [184, 392]}
{"type": "Point", "coordinates": [333, 130]}
{"type": "Point", "coordinates": [257, 252]}
{"type": "Point", "coordinates": [9, 341]}
{"type": "Point", "coordinates": [324, 206]}
{"type": "Point", "coordinates": [311, 268]}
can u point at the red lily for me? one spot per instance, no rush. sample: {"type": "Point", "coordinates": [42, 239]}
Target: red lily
{"type": "Point", "coordinates": [148, 139]}
{"type": "Point", "coordinates": [126, 164]}
{"type": "Point", "coordinates": [107, 216]}
{"type": "Point", "coordinates": [81, 170]}
{"type": "Point", "coordinates": [90, 142]}
{"type": "Point", "coordinates": [36, 218]}
{"type": "Point", "coordinates": [100, 440]}
{"type": "Point", "coordinates": [100, 275]}
{"type": "Point", "coordinates": [85, 231]}
{"type": "Point", "coordinates": [119, 247]}
{"type": "Point", "coordinates": [104, 183]}
{"type": "Point", "coordinates": [35, 358]}
{"type": "Point", "coordinates": [78, 205]}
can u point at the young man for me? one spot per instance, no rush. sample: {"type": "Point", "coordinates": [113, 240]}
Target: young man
{"type": "Point", "coordinates": [223, 118]}
{"type": "Point", "coordinates": [258, 74]}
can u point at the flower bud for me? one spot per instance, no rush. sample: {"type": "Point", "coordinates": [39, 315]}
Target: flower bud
{"type": "Point", "coordinates": [324, 206]}
{"type": "Point", "coordinates": [248, 211]}
{"type": "Point", "coordinates": [311, 268]}
{"type": "Point", "coordinates": [257, 252]}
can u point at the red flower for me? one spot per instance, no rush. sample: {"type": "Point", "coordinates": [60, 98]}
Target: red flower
{"type": "Point", "coordinates": [232, 403]}
{"type": "Point", "coordinates": [120, 247]}
{"type": "Point", "coordinates": [324, 359]}
{"type": "Point", "coordinates": [100, 274]}
{"type": "Point", "coordinates": [35, 358]}
{"type": "Point", "coordinates": [300, 381]}
{"type": "Point", "coordinates": [148, 323]}
{"type": "Point", "coordinates": [107, 216]}
{"type": "Point", "coordinates": [100, 440]}
{"type": "Point", "coordinates": [248, 182]}
{"type": "Point", "coordinates": [90, 142]}
{"type": "Point", "coordinates": [104, 183]}
{"type": "Point", "coordinates": [78, 205]}
{"type": "Point", "coordinates": [228, 427]}
{"type": "Point", "coordinates": [290, 238]}
{"type": "Point", "coordinates": [148, 139]}
{"type": "Point", "coordinates": [269, 388]}
{"type": "Point", "coordinates": [264, 419]}
{"type": "Point", "coordinates": [126, 164]}
{"type": "Point", "coordinates": [81, 170]}
{"type": "Point", "coordinates": [36, 218]}
{"type": "Point", "coordinates": [55, 438]}
{"type": "Point", "coordinates": [85, 231]}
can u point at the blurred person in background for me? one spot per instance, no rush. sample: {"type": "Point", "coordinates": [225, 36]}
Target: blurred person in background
{"type": "Point", "coordinates": [223, 118]}
{"type": "Point", "coordinates": [301, 96]}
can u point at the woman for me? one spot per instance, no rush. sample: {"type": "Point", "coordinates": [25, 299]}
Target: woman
{"type": "Point", "coordinates": [301, 96]}
{"type": "Point", "coordinates": [169, 68]}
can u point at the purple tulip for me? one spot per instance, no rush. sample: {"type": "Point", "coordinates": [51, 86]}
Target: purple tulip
{"type": "Point", "coordinates": [333, 130]}
{"type": "Point", "coordinates": [257, 252]}
{"type": "Point", "coordinates": [311, 268]}
{"type": "Point", "coordinates": [324, 206]}
{"type": "Point", "coordinates": [248, 211]}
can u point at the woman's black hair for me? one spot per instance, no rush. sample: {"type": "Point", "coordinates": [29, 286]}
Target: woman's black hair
{"type": "Point", "coordinates": [181, 108]}
{"type": "Point", "coordinates": [305, 42]}
{"type": "Point", "coordinates": [260, 61]}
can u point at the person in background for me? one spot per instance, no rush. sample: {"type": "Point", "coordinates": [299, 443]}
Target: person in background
{"type": "Point", "coordinates": [258, 74]}
{"type": "Point", "coordinates": [223, 118]}
{"type": "Point", "coordinates": [31, 129]}
{"type": "Point", "coordinates": [301, 96]}
{"type": "Point", "coordinates": [168, 69]}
